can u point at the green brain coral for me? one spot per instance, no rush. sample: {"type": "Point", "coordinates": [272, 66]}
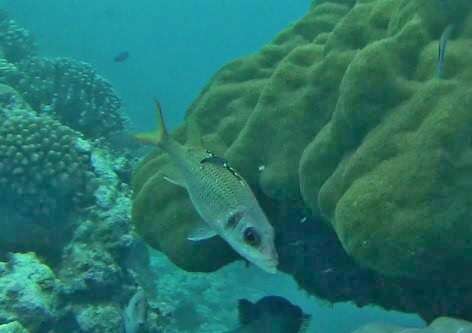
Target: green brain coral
{"type": "Point", "coordinates": [343, 113]}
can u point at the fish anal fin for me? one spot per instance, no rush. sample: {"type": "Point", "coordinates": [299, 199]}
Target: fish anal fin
{"type": "Point", "coordinates": [247, 311]}
{"type": "Point", "coordinates": [201, 232]}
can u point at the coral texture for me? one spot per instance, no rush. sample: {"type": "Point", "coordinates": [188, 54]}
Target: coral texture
{"type": "Point", "coordinates": [440, 325]}
{"type": "Point", "coordinates": [71, 91]}
{"type": "Point", "coordinates": [16, 43]}
{"type": "Point", "coordinates": [27, 292]}
{"type": "Point", "coordinates": [345, 117]}
{"type": "Point", "coordinates": [361, 130]}
{"type": "Point", "coordinates": [63, 195]}
{"type": "Point", "coordinates": [43, 164]}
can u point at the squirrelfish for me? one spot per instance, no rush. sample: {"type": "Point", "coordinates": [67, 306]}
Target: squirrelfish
{"type": "Point", "coordinates": [222, 198]}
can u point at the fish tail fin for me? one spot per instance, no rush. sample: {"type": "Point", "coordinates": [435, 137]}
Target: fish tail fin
{"type": "Point", "coordinates": [160, 135]}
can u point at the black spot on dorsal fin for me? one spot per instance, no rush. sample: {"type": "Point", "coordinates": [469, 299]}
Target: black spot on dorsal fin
{"type": "Point", "coordinates": [216, 160]}
{"type": "Point", "coordinates": [212, 159]}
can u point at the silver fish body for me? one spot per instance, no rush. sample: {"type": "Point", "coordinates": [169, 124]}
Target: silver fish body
{"type": "Point", "coordinates": [223, 199]}
{"type": "Point", "coordinates": [226, 203]}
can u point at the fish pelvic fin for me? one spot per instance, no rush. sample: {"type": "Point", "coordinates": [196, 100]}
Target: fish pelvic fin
{"type": "Point", "coordinates": [159, 136]}
{"type": "Point", "coordinates": [201, 232]}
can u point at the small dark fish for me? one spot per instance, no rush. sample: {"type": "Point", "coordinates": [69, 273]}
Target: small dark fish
{"type": "Point", "coordinates": [442, 50]}
{"type": "Point", "coordinates": [121, 57]}
{"type": "Point", "coordinates": [271, 314]}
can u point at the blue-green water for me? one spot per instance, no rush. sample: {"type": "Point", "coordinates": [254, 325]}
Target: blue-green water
{"type": "Point", "coordinates": [175, 47]}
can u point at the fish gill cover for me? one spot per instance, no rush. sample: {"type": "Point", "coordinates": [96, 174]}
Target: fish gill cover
{"type": "Point", "coordinates": [345, 116]}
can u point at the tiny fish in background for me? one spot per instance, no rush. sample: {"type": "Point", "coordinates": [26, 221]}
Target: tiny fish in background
{"type": "Point", "coordinates": [121, 57]}
{"type": "Point", "coordinates": [442, 50]}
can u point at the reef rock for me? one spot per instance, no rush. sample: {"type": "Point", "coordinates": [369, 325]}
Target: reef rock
{"type": "Point", "coordinates": [440, 325]}
{"type": "Point", "coordinates": [28, 292]}
{"type": "Point", "coordinates": [64, 195]}
{"type": "Point", "coordinates": [347, 116]}
{"type": "Point", "coordinates": [13, 327]}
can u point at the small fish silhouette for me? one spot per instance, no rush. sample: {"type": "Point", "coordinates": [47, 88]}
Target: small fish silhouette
{"type": "Point", "coordinates": [121, 57]}
{"type": "Point", "coordinates": [272, 314]}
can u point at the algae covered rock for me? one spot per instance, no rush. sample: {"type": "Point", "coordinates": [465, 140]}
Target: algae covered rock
{"type": "Point", "coordinates": [13, 327]}
{"type": "Point", "coordinates": [344, 114]}
{"type": "Point", "coordinates": [28, 292]}
{"type": "Point", "coordinates": [100, 319]}
{"type": "Point", "coordinates": [440, 325]}
{"type": "Point", "coordinates": [388, 170]}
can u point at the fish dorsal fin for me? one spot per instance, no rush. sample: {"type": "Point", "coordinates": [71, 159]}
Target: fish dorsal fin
{"type": "Point", "coordinates": [194, 137]}
{"type": "Point", "coordinates": [247, 311]}
{"type": "Point", "coordinates": [305, 324]}
{"type": "Point", "coordinates": [213, 159]}
{"type": "Point", "coordinates": [220, 161]}
{"type": "Point", "coordinates": [159, 135]}
{"type": "Point", "coordinates": [201, 232]}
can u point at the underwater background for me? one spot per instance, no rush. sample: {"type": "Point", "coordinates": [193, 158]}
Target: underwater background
{"type": "Point", "coordinates": [88, 266]}
{"type": "Point", "coordinates": [159, 38]}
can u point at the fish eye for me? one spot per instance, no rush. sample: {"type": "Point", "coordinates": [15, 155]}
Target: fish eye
{"type": "Point", "coordinates": [251, 236]}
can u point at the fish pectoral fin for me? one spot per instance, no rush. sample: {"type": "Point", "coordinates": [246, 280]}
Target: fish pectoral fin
{"type": "Point", "coordinates": [174, 181]}
{"type": "Point", "coordinates": [201, 232]}
{"type": "Point", "coordinates": [173, 176]}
